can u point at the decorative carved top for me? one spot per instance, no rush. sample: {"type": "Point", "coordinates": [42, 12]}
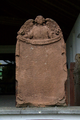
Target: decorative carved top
{"type": "Point", "coordinates": [40, 31]}
{"type": "Point", "coordinates": [77, 64]}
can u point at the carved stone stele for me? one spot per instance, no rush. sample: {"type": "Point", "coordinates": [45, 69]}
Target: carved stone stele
{"type": "Point", "coordinates": [77, 79]}
{"type": "Point", "coordinates": [40, 64]}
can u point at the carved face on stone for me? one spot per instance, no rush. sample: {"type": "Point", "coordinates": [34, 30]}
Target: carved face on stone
{"type": "Point", "coordinates": [39, 19]}
{"type": "Point", "coordinates": [77, 57]}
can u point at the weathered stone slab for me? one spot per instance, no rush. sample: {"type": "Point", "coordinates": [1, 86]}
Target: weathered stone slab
{"type": "Point", "coordinates": [40, 64]}
{"type": "Point", "coordinates": [77, 79]}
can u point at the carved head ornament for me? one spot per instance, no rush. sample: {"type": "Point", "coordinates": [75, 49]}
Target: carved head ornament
{"type": "Point", "coordinates": [39, 19]}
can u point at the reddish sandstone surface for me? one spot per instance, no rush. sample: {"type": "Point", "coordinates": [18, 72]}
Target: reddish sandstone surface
{"type": "Point", "coordinates": [41, 70]}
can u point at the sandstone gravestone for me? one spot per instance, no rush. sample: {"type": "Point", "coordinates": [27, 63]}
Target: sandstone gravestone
{"type": "Point", "coordinates": [40, 64]}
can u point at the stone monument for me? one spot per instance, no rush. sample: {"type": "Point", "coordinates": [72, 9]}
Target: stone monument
{"type": "Point", "coordinates": [40, 64]}
{"type": "Point", "coordinates": [77, 79]}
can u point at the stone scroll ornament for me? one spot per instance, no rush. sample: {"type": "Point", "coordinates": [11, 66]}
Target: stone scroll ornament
{"type": "Point", "coordinates": [41, 70]}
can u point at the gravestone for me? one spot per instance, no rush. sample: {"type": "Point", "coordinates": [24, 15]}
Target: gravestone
{"type": "Point", "coordinates": [41, 70]}
{"type": "Point", "coordinates": [77, 79]}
